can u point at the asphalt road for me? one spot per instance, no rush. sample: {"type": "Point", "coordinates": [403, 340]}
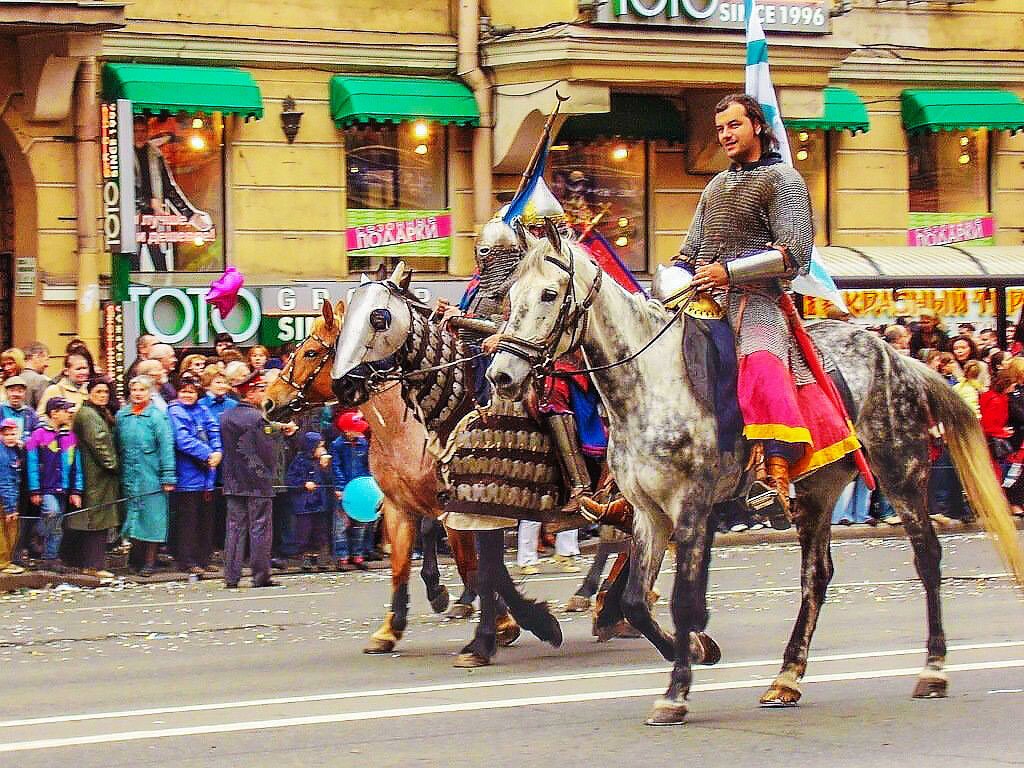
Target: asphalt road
{"type": "Point", "coordinates": [193, 675]}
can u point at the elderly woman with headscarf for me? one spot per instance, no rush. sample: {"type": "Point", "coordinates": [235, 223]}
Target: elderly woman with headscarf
{"type": "Point", "coordinates": [146, 450]}
{"type": "Point", "coordinates": [94, 428]}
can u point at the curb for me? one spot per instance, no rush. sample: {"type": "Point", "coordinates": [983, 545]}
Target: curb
{"type": "Point", "coordinates": [44, 579]}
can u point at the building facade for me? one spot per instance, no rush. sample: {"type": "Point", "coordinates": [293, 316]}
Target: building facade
{"type": "Point", "coordinates": [305, 142]}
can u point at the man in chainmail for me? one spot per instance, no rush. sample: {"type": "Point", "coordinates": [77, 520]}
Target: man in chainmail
{"type": "Point", "coordinates": [751, 234]}
{"type": "Point", "coordinates": [498, 253]}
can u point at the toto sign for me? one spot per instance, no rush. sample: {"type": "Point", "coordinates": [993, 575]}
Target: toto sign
{"type": "Point", "coordinates": [779, 16]}
{"type": "Point", "coordinates": [174, 315]}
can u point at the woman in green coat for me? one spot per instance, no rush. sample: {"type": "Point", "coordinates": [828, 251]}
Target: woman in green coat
{"type": "Point", "coordinates": [146, 450]}
{"type": "Point", "coordinates": [94, 429]}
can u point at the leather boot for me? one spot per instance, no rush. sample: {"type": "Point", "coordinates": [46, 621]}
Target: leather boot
{"type": "Point", "coordinates": [778, 472]}
{"type": "Point", "coordinates": [617, 513]}
{"type": "Point", "coordinates": [567, 445]}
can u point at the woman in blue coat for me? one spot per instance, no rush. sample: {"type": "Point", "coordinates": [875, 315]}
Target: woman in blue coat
{"type": "Point", "coordinates": [146, 449]}
{"type": "Point", "coordinates": [197, 452]}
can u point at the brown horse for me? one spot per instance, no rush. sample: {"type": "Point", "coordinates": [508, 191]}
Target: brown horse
{"type": "Point", "coordinates": [403, 470]}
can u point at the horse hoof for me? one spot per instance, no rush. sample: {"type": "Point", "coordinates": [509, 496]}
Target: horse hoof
{"type": "Point", "coordinates": [667, 712]}
{"type": "Point", "coordinates": [440, 603]}
{"type": "Point", "coordinates": [508, 634]}
{"type": "Point", "coordinates": [379, 645]}
{"type": "Point", "coordinates": [704, 650]}
{"type": "Point", "coordinates": [577, 604]}
{"type": "Point", "coordinates": [552, 633]}
{"type": "Point", "coordinates": [931, 688]}
{"type": "Point", "coordinates": [459, 611]}
{"type": "Point", "coordinates": [471, 661]}
{"type": "Point", "coordinates": [621, 629]}
{"type": "Point", "coordinates": [780, 696]}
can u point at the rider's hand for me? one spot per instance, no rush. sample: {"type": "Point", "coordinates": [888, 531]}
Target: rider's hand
{"type": "Point", "coordinates": [490, 344]}
{"type": "Point", "coordinates": [214, 459]}
{"type": "Point", "coordinates": [710, 276]}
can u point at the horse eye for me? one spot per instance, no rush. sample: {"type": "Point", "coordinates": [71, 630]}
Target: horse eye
{"type": "Point", "coordinates": [483, 250]}
{"type": "Point", "coordinates": [548, 294]}
{"type": "Point", "coordinates": [310, 353]}
{"type": "Point", "coordinates": [380, 319]}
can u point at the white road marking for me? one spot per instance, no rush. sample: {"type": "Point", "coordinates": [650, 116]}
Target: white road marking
{"type": "Point", "coordinates": [603, 674]}
{"type": "Point", "coordinates": [531, 701]}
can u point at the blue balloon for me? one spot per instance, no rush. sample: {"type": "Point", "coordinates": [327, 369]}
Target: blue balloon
{"type": "Point", "coordinates": [362, 499]}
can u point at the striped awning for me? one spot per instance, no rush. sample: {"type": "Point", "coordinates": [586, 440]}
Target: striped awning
{"type": "Point", "coordinates": [978, 266]}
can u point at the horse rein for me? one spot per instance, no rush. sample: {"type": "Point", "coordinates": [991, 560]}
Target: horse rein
{"type": "Point", "coordinates": [541, 355]}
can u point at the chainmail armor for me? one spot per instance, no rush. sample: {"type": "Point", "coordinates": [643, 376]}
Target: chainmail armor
{"type": "Point", "coordinates": [739, 213]}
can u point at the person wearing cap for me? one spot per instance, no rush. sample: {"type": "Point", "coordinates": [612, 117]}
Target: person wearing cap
{"type": "Point", "coordinates": [16, 409]}
{"type": "Point", "coordinates": [146, 450]}
{"type": "Point", "coordinates": [350, 453]}
{"type": "Point", "coordinates": [54, 475]}
{"type": "Point", "coordinates": [12, 470]}
{"type": "Point", "coordinates": [250, 464]}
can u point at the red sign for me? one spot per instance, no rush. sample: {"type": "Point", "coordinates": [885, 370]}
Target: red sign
{"type": "Point", "coordinates": [385, 233]}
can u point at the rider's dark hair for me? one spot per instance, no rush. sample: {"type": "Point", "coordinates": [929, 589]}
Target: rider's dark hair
{"type": "Point", "coordinates": [756, 115]}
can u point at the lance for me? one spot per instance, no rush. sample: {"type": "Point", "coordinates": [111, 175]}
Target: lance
{"type": "Point", "coordinates": [538, 151]}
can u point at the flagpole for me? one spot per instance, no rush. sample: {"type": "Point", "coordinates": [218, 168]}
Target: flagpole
{"type": "Point", "coordinates": [539, 149]}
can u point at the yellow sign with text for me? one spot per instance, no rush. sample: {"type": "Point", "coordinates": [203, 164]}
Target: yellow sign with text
{"type": "Point", "coordinates": [886, 304]}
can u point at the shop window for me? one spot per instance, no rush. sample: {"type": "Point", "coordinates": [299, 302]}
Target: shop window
{"type": "Point", "coordinates": [606, 181]}
{"type": "Point", "coordinates": [397, 195]}
{"type": "Point", "coordinates": [810, 150]}
{"type": "Point", "coordinates": [179, 193]}
{"type": "Point", "coordinates": [949, 171]}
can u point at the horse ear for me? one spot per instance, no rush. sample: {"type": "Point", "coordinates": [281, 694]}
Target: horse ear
{"type": "Point", "coordinates": [328, 312]}
{"type": "Point", "coordinates": [521, 235]}
{"type": "Point", "coordinates": [398, 274]}
{"type": "Point", "coordinates": [406, 280]}
{"type": "Point", "coordinates": [339, 308]}
{"type": "Point", "coordinates": [381, 274]}
{"type": "Point", "coordinates": [554, 236]}
{"type": "Point", "coordinates": [363, 279]}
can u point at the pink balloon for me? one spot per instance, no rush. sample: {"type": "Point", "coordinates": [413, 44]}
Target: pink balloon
{"type": "Point", "coordinates": [223, 293]}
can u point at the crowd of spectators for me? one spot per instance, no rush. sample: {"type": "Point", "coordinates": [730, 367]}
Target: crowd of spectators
{"type": "Point", "coordinates": [89, 473]}
{"type": "Point", "coordinates": [163, 474]}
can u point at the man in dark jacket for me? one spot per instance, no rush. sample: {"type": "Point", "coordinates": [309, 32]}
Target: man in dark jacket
{"type": "Point", "coordinates": [249, 464]}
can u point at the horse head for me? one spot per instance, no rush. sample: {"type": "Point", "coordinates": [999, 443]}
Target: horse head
{"type": "Point", "coordinates": [377, 324]}
{"type": "Point", "coordinates": [305, 379]}
{"type": "Point", "coordinates": [546, 309]}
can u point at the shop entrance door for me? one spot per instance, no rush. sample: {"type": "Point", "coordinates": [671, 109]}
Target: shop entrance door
{"type": "Point", "coordinates": [6, 257]}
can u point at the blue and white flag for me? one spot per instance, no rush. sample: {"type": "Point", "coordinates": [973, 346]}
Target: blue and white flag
{"type": "Point", "coordinates": [817, 282]}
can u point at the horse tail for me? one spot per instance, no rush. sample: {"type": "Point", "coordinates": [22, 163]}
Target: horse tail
{"type": "Point", "coordinates": [969, 451]}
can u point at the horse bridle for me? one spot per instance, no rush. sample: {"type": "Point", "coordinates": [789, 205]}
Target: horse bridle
{"type": "Point", "coordinates": [287, 376]}
{"type": "Point", "coordinates": [573, 316]}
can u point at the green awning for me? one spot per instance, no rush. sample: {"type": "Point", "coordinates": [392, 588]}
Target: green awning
{"type": "Point", "coordinates": [632, 116]}
{"type": "Point", "coordinates": [843, 110]}
{"type": "Point", "coordinates": [934, 110]}
{"type": "Point", "coordinates": [396, 99]}
{"type": "Point", "coordinates": [173, 88]}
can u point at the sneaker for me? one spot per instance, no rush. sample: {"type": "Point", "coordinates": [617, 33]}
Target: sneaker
{"type": "Point", "coordinates": [739, 528]}
{"type": "Point", "coordinates": [528, 570]}
{"type": "Point", "coordinates": [12, 569]}
{"type": "Point", "coordinates": [566, 563]}
{"type": "Point", "coordinates": [892, 520]}
{"type": "Point", "coordinates": [940, 519]}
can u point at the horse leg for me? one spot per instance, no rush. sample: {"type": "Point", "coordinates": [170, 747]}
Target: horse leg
{"type": "Point", "coordinates": [532, 615]}
{"type": "Point", "coordinates": [932, 682]}
{"type": "Point", "coordinates": [479, 651]}
{"type": "Point", "coordinates": [690, 616]}
{"type": "Point", "coordinates": [437, 593]}
{"type": "Point", "coordinates": [813, 521]}
{"type": "Point", "coordinates": [464, 552]}
{"type": "Point", "coordinates": [645, 556]}
{"type": "Point", "coordinates": [580, 601]}
{"type": "Point", "coordinates": [401, 530]}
